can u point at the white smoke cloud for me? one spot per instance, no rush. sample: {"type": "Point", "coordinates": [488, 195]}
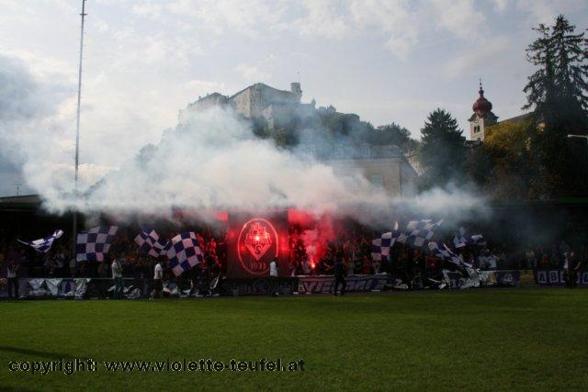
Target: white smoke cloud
{"type": "Point", "coordinates": [30, 111]}
{"type": "Point", "coordinates": [452, 203]}
{"type": "Point", "coordinates": [211, 161]}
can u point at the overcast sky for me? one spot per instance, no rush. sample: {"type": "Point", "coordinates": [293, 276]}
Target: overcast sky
{"type": "Point", "coordinates": [385, 60]}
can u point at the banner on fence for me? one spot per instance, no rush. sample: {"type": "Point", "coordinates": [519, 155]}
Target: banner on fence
{"type": "Point", "coordinates": [68, 287]}
{"type": "Point", "coordinates": [558, 278]}
{"type": "Point", "coordinates": [261, 286]}
{"type": "Point", "coordinates": [53, 287]}
{"type": "Point", "coordinates": [508, 278]}
{"type": "Point", "coordinates": [458, 280]}
{"type": "Point", "coordinates": [324, 283]}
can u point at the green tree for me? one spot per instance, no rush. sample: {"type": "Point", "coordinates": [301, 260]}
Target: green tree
{"type": "Point", "coordinates": [557, 90]}
{"type": "Point", "coordinates": [512, 162]}
{"type": "Point", "coordinates": [442, 151]}
{"type": "Point", "coordinates": [393, 134]}
{"type": "Point", "coordinates": [557, 93]}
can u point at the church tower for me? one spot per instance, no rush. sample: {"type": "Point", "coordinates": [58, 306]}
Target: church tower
{"type": "Point", "coordinates": [482, 117]}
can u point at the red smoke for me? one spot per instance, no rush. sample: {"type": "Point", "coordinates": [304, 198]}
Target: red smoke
{"type": "Point", "coordinates": [313, 232]}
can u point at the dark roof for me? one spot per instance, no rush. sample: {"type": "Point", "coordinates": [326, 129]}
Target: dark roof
{"type": "Point", "coordinates": [518, 119]}
{"type": "Point", "coordinates": [214, 95]}
{"type": "Point", "coordinates": [25, 202]}
{"type": "Point", "coordinates": [489, 115]}
{"type": "Point", "coordinates": [513, 120]}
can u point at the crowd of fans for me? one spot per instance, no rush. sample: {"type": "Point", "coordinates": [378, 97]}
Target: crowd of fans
{"type": "Point", "coordinates": [352, 247]}
{"type": "Point", "coordinates": [417, 266]}
{"type": "Point", "coordinates": [59, 261]}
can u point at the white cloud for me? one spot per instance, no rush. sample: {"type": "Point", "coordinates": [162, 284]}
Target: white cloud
{"type": "Point", "coordinates": [501, 5]}
{"type": "Point", "coordinates": [459, 17]}
{"type": "Point", "coordinates": [44, 67]}
{"type": "Point", "coordinates": [322, 18]}
{"type": "Point", "coordinates": [545, 11]}
{"type": "Point", "coordinates": [251, 73]}
{"type": "Point", "coordinates": [484, 54]}
{"type": "Point", "coordinates": [393, 18]}
{"type": "Point", "coordinates": [149, 10]}
{"type": "Point", "coordinates": [219, 16]}
{"type": "Point", "coordinates": [401, 22]}
{"type": "Point", "coordinates": [202, 87]}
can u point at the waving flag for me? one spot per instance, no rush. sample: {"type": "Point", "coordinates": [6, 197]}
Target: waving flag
{"type": "Point", "coordinates": [419, 233]}
{"type": "Point", "coordinates": [43, 245]}
{"type": "Point", "coordinates": [93, 244]}
{"type": "Point", "coordinates": [460, 240]}
{"type": "Point", "coordinates": [150, 243]}
{"type": "Point", "coordinates": [381, 246]}
{"type": "Point", "coordinates": [184, 253]}
{"type": "Point", "coordinates": [443, 252]}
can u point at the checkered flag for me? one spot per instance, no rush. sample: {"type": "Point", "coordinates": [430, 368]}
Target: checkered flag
{"type": "Point", "coordinates": [93, 244]}
{"type": "Point", "coordinates": [381, 246]}
{"type": "Point", "coordinates": [43, 245]}
{"type": "Point", "coordinates": [184, 253]}
{"type": "Point", "coordinates": [444, 253]}
{"type": "Point", "coordinates": [150, 243]}
{"type": "Point", "coordinates": [460, 240]}
{"type": "Point", "coordinates": [418, 233]}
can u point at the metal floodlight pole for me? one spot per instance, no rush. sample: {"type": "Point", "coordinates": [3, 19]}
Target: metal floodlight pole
{"type": "Point", "coordinates": [77, 154]}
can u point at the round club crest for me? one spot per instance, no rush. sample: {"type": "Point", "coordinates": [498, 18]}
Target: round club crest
{"type": "Point", "coordinates": [257, 245]}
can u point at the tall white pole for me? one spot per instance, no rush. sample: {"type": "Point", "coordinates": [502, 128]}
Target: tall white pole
{"type": "Point", "coordinates": [77, 156]}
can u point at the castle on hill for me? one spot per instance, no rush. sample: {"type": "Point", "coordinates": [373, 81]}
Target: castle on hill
{"type": "Point", "coordinates": [384, 166]}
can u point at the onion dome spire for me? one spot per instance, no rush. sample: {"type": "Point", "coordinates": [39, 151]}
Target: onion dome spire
{"type": "Point", "coordinates": [482, 106]}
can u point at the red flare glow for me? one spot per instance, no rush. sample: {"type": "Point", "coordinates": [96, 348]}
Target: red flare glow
{"type": "Point", "coordinates": [312, 233]}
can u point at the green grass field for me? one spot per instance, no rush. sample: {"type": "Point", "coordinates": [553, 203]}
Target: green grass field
{"type": "Point", "coordinates": [470, 340]}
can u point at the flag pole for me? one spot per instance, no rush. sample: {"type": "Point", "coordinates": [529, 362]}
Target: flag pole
{"type": "Point", "coordinates": [77, 154]}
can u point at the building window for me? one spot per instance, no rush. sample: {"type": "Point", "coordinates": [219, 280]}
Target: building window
{"type": "Point", "coordinates": [476, 128]}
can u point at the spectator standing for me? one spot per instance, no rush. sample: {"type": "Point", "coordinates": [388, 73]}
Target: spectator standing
{"type": "Point", "coordinates": [117, 276]}
{"type": "Point", "coordinates": [273, 276]}
{"type": "Point", "coordinates": [11, 275]}
{"type": "Point", "coordinates": [572, 266]}
{"type": "Point", "coordinates": [339, 275]}
{"type": "Point", "coordinates": [157, 279]}
{"type": "Point", "coordinates": [103, 280]}
{"type": "Point", "coordinates": [72, 266]}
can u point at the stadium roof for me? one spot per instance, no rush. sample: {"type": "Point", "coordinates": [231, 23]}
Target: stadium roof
{"type": "Point", "coordinates": [20, 203]}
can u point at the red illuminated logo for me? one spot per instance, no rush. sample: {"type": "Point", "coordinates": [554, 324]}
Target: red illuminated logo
{"type": "Point", "coordinates": [257, 245]}
{"type": "Point", "coordinates": [258, 240]}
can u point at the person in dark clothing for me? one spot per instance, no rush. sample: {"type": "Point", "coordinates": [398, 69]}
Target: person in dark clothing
{"type": "Point", "coordinates": [339, 275]}
{"type": "Point", "coordinates": [11, 275]}
{"type": "Point", "coordinates": [418, 270]}
{"type": "Point", "coordinates": [204, 279]}
{"type": "Point", "coordinates": [572, 267]}
{"type": "Point", "coordinates": [103, 283]}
